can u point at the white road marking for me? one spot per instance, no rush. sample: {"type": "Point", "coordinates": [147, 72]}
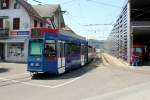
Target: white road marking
{"type": "Point", "coordinates": [66, 83]}
{"type": "Point", "coordinates": [26, 83]}
{"type": "Point", "coordinates": [40, 85]}
{"type": "Point", "coordinates": [14, 76]}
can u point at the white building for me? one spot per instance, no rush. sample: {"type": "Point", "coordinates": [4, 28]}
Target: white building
{"type": "Point", "coordinates": [17, 17]}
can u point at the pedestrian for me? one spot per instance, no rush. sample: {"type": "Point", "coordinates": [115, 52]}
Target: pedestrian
{"type": "Point", "coordinates": [132, 60]}
{"type": "Point", "coordinates": [136, 60]}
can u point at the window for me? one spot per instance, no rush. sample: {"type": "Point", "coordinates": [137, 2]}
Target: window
{"type": "Point", "coordinates": [89, 49]}
{"type": "Point", "coordinates": [4, 4]}
{"type": "Point", "coordinates": [16, 5]}
{"type": "Point", "coordinates": [36, 47]}
{"type": "Point", "coordinates": [84, 50]}
{"type": "Point", "coordinates": [132, 50]}
{"type": "Point", "coordinates": [50, 48]}
{"type": "Point", "coordinates": [15, 50]}
{"type": "Point", "coordinates": [1, 23]}
{"type": "Point", "coordinates": [35, 23]}
{"type": "Point", "coordinates": [35, 32]}
{"type": "Point", "coordinates": [139, 50]}
{"type": "Point", "coordinates": [73, 49]}
{"type": "Point", "coordinates": [16, 23]}
{"type": "Point", "coordinates": [41, 24]}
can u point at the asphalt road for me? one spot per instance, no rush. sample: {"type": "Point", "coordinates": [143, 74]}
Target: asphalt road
{"type": "Point", "coordinates": [92, 82]}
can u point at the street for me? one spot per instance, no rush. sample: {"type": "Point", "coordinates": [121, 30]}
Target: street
{"type": "Point", "coordinates": [92, 82]}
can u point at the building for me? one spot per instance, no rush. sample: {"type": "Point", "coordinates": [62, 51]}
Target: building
{"type": "Point", "coordinates": [98, 44]}
{"type": "Point", "coordinates": [17, 17]}
{"type": "Point", "coordinates": [132, 27]}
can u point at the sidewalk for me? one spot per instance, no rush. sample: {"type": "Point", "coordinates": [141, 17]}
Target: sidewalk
{"type": "Point", "coordinates": [110, 60]}
{"type": "Point", "coordinates": [113, 61]}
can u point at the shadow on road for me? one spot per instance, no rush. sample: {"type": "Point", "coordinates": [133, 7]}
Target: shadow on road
{"type": "Point", "coordinates": [72, 73]}
{"type": "Point", "coordinates": [2, 70]}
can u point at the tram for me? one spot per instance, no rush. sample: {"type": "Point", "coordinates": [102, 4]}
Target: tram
{"type": "Point", "coordinates": [55, 53]}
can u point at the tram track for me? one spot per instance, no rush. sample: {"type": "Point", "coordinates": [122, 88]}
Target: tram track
{"type": "Point", "coordinates": [5, 81]}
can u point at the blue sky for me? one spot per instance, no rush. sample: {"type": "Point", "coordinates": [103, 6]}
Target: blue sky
{"type": "Point", "coordinates": [81, 13]}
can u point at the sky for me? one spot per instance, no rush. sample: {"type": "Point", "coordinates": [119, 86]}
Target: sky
{"type": "Point", "coordinates": [92, 19]}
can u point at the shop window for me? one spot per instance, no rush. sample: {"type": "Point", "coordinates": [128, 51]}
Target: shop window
{"type": "Point", "coordinates": [16, 23]}
{"type": "Point", "coordinates": [16, 50]}
{"type": "Point", "coordinates": [4, 4]}
{"type": "Point", "coordinates": [1, 23]}
{"type": "Point", "coordinates": [35, 23]}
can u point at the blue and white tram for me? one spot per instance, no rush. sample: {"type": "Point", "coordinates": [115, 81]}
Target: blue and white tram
{"type": "Point", "coordinates": [55, 53]}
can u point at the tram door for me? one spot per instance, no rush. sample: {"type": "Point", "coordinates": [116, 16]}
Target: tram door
{"type": "Point", "coordinates": [82, 55]}
{"type": "Point", "coordinates": [61, 56]}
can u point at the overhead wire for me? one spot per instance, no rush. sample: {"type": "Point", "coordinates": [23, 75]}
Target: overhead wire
{"type": "Point", "coordinates": [105, 4]}
{"type": "Point", "coordinates": [38, 1]}
{"type": "Point", "coordinates": [97, 2]}
{"type": "Point", "coordinates": [67, 2]}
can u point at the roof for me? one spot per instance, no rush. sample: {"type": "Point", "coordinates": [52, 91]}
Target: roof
{"type": "Point", "coordinates": [46, 10]}
{"type": "Point", "coordinates": [66, 28]}
{"type": "Point", "coordinates": [30, 9]}
{"type": "Point", "coordinates": [69, 32]}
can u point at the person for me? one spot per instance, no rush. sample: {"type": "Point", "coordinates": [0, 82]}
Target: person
{"type": "Point", "coordinates": [135, 60]}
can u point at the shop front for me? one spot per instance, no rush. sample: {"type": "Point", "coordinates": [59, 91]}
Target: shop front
{"type": "Point", "coordinates": [16, 50]}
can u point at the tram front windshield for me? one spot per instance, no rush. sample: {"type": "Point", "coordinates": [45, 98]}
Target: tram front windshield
{"type": "Point", "coordinates": [36, 47]}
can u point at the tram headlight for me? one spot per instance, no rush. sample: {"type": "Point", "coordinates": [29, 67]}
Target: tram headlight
{"type": "Point", "coordinates": [37, 64]}
{"type": "Point", "coordinates": [31, 64]}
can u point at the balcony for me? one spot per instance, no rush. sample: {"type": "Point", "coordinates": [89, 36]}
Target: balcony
{"type": "Point", "coordinates": [4, 33]}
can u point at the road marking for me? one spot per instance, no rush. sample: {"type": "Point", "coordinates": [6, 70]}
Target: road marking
{"type": "Point", "coordinates": [66, 83]}
{"type": "Point", "coordinates": [14, 76]}
{"type": "Point", "coordinates": [40, 85]}
{"type": "Point", "coordinates": [26, 83]}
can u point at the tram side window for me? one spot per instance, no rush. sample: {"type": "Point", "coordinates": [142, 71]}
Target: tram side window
{"type": "Point", "coordinates": [73, 49]}
{"type": "Point", "coordinates": [68, 49]}
{"type": "Point", "coordinates": [89, 50]}
{"type": "Point", "coordinates": [84, 50]}
{"type": "Point", "coordinates": [50, 48]}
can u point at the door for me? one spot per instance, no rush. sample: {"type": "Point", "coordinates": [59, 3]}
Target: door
{"type": "Point", "coordinates": [61, 56]}
{"type": "Point", "coordinates": [2, 53]}
{"type": "Point", "coordinates": [82, 55]}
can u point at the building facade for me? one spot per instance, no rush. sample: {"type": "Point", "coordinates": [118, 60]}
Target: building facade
{"type": "Point", "coordinates": [131, 28]}
{"type": "Point", "coordinates": [17, 17]}
{"type": "Point", "coordinates": [117, 42]}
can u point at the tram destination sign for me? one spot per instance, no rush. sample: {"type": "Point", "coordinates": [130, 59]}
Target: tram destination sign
{"type": "Point", "coordinates": [50, 41]}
